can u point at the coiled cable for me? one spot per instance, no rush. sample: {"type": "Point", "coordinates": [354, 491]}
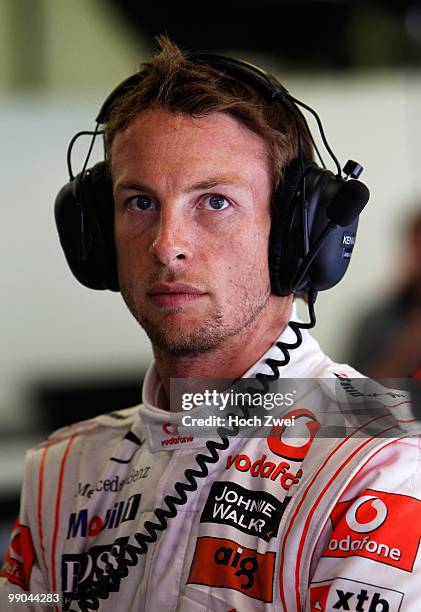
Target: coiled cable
{"type": "Point", "coordinates": [129, 554]}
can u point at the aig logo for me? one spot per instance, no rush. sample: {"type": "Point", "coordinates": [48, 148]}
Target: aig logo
{"type": "Point", "coordinates": [223, 563]}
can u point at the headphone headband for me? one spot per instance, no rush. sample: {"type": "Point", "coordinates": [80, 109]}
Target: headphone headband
{"type": "Point", "coordinates": [246, 72]}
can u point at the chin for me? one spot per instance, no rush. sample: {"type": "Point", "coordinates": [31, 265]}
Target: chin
{"type": "Point", "coordinates": [184, 338]}
{"type": "Point", "coordinates": [185, 345]}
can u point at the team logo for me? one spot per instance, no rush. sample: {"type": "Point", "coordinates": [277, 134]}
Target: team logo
{"type": "Point", "coordinates": [81, 571]}
{"type": "Point", "coordinates": [375, 526]}
{"type": "Point", "coordinates": [20, 557]}
{"type": "Point", "coordinates": [121, 512]}
{"type": "Point", "coordinates": [345, 594]}
{"type": "Point", "coordinates": [223, 563]}
{"type": "Point", "coordinates": [366, 505]}
{"type": "Point", "coordinates": [106, 485]}
{"type": "Point", "coordinates": [261, 468]}
{"type": "Point", "coordinates": [171, 429]}
{"type": "Point", "coordinates": [287, 449]}
{"type": "Point", "coordinates": [254, 512]}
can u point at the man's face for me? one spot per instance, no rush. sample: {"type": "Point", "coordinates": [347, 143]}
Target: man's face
{"type": "Point", "coordinates": [192, 222]}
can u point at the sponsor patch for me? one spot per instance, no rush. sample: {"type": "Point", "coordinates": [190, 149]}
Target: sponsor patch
{"type": "Point", "coordinates": [20, 557]}
{"type": "Point", "coordinates": [293, 449]}
{"type": "Point", "coordinates": [82, 525]}
{"type": "Point", "coordinates": [375, 526]}
{"type": "Point", "coordinates": [171, 430]}
{"type": "Point", "coordinates": [345, 594]}
{"type": "Point", "coordinates": [81, 571]}
{"type": "Point", "coordinates": [87, 489]}
{"type": "Point", "coordinates": [263, 468]}
{"type": "Point", "coordinates": [254, 512]}
{"type": "Point", "coordinates": [223, 563]}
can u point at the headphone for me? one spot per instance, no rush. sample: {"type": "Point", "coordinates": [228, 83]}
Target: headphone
{"type": "Point", "coordinates": [314, 222]}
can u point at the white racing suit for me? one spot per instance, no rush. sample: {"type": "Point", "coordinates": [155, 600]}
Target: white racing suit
{"type": "Point", "coordinates": [282, 522]}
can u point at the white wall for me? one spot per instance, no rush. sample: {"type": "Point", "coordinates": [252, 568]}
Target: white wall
{"type": "Point", "coordinates": [53, 326]}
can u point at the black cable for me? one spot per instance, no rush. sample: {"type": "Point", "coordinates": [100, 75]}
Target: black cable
{"type": "Point", "coordinates": [107, 584]}
{"type": "Point", "coordinates": [94, 134]}
{"type": "Point", "coordinates": [321, 130]}
{"type": "Point", "coordinates": [310, 256]}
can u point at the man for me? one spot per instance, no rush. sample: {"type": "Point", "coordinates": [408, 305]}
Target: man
{"type": "Point", "coordinates": [284, 521]}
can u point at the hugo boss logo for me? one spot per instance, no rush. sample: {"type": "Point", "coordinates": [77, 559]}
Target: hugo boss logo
{"type": "Point", "coordinates": [223, 563]}
{"type": "Point", "coordinates": [81, 571]}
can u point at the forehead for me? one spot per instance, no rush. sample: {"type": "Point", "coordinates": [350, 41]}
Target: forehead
{"type": "Point", "coordinates": [174, 142]}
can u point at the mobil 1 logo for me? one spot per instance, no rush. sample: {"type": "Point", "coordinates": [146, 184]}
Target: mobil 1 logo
{"type": "Point", "coordinates": [257, 513]}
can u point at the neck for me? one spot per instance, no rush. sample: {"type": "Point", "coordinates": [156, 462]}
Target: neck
{"type": "Point", "coordinates": [235, 355]}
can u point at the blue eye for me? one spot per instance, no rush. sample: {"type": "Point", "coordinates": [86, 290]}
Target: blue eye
{"type": "Point", "coordinates": [142, 202]}
{"type": "Point", "coordinates": [216, 202]}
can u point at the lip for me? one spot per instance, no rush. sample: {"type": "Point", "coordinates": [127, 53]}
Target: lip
{"type": "Point", "coordinates": [171, 288]}
{"type": "Point", "coordinates": [174, 294]}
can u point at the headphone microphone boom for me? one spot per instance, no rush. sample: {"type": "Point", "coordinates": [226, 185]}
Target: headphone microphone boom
{"type": "Point", "coordinates": [314, 220]}
{"type": "Point", "coordinates": [357, 196]}
{"type": "Point", "coordinates": [345, 210]}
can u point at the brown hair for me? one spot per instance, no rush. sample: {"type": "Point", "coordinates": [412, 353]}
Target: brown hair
{"type": "Point", "coordinates": [172, 81]}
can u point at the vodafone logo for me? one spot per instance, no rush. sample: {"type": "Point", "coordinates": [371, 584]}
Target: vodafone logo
{"type": "Point", "coordinates": [289, 450]}
{"type": "Point", "coordinates": [375, 526]}
{"type": "Point", "coordinates": [170, 429]}
{"type": "Point", "coordinates": [263, 468]}
{"type": "Point", "coordinates": [363, 505]}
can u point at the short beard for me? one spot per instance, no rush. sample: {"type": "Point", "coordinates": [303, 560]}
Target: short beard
{"type": "Point", "coordinates": [206, 336]}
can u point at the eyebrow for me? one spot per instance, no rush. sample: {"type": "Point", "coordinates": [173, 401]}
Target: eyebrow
{"type": "Point", "coordinates": [209, 183]}
{"type": "Point", "coordinates": [215, 181]}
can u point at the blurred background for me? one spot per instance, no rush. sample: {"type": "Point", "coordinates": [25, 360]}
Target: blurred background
{"type": "Point", "coordinates": [68, 352]}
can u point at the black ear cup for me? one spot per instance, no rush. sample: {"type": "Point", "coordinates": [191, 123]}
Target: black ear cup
{"type": "Point", "coordinates": [84, 213]}
{"type": "Point", "coordinates": [287, 243]}
{"type": "Point", "coordinates": [286, 228]}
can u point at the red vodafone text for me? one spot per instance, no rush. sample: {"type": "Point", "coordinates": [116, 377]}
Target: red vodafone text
{"type": "Point", "coordinates": [375, 526]}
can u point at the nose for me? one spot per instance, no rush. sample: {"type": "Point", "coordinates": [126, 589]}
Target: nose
{"type": "Point", "coordinates": [171, 242]}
